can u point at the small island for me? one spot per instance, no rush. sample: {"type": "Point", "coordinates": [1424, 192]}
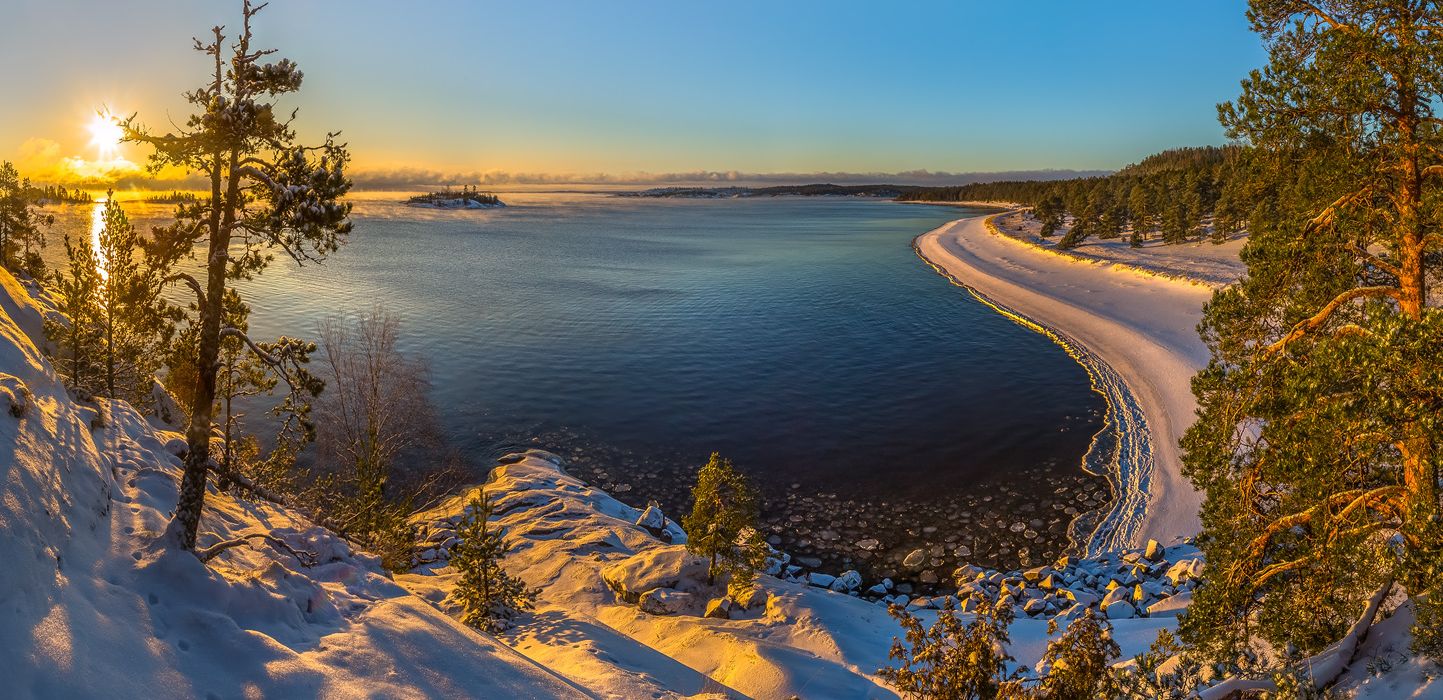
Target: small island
{"type": "Point", "coordinates": [468, 198]}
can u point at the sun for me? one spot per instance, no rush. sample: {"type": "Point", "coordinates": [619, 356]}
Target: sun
{"type": "Point", "coordinates": [105, 134]}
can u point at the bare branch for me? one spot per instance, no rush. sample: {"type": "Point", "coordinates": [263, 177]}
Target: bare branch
{"type": "Point", "coordinates": [307, 559]}
{"type": "Point", "coordinates": [189, 282]}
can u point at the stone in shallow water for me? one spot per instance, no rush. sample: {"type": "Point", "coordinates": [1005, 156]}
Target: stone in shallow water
{"type": "Point", "coordinates": [915, 559]}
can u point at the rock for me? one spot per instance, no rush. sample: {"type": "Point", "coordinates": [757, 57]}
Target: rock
{"type": "Point", "coordinates": [928, 577]}
{"type": "Point", "coordinates": [1153, 552]}
{"type": "Point", "coordinates": [1184, 570]}
{"type": "Point", "coordinates": [887, 583]}
{"type": "Point", "coordinates": [878, 590]}
{"type": "Point", "coordinates": [901, 601]}
{"type": "Point", "coordinates": [669, 566]}
{"type": "Point", "coordinates": [1117, 594]}
{"type": "Point", "coordinates": [915, 559]}
{"type": "Point", "coordinates": [816, 578]}
{"type": "Point", "coordinates": [664, 601]}
{"type": "Point", "coordinates": [719, 609]}
{"type": "Point", "coordinates": [1120, 610]}
{"type": "Point", "coordinates": [755, 599]}
{"type": "Point", "coordinates": [868, 545]}
{"type": "Point", "coordinates": [1035, 607]}
{"type": "Point", "coordinates": [849, 580]}
{"type": "Point", "coordinates": [1171, 606]}
{"type": "Point", "coordinates": [652, 520]}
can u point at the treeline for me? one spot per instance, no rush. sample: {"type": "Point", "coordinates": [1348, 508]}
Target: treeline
{"type": "Point", "coordinates": [1183, 194]}
{"type": "Point", "coordinates": [57, 194]}
{"type": "Point", "coordinates": [175, 197]}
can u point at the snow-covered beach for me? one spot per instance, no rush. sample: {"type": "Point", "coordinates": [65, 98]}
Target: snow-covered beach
{"type": "Point", "coordinates": [1135, 329]}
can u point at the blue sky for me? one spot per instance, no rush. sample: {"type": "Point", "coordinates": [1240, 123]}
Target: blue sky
{"type": "Point", "coordinates": [660, 87]}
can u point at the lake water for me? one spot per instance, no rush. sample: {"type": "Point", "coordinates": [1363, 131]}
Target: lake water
{"type": "Point", "coordinates": [801, 337]}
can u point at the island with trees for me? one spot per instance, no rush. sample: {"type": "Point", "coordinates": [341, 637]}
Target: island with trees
{"type": "Point", "coordinates": [468, 197]}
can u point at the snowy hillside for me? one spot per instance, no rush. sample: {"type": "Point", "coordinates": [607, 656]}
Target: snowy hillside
{"type": "Point", "coordinates": [92, 606]}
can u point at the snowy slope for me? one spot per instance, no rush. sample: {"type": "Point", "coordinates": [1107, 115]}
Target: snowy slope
{"type": "Point", "coordinates": [570, 539]}
{"type": "Point", "coordinates": [92, 606]}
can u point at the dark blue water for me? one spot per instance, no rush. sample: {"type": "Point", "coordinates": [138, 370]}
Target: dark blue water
{"type": "Point", "coordinates": [801, 337]}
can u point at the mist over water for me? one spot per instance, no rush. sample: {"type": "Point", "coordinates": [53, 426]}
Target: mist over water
{"type": "Point", "coordinates": [799, 336]}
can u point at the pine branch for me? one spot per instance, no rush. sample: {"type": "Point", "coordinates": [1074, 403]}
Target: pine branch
{"type": "Point", "coordinates": [1314, 322]}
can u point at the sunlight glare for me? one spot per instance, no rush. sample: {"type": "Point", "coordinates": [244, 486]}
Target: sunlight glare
{"type": "Point", "coordinates": [105, 134]}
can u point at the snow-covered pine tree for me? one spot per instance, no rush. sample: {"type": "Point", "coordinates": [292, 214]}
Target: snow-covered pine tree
{"type": "Point", "coordinates": [266, 191]}
{"type": "Point", "coordinates": [489, 597]}
{"type": "Point", "coordinates": [722, 525]}
{"type": "Point", "coordinates": [1079, 662]}
{"type": "Point", "coordinates": [1317, 441]}
{"type": "Point", "coordinates": [950, 659]}
{"type": "Point", "coordinates": [76, 338]}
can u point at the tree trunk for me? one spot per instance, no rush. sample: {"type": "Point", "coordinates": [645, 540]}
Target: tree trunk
{"type": "Point", "coordinates": [192, 484]}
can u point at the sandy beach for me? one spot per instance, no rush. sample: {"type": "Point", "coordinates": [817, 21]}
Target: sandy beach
{"type": "Point", "coordinates": [1133, 329]}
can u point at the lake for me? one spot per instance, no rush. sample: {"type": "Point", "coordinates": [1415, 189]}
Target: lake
{"type": "Point", "coordinates": [801, 337]}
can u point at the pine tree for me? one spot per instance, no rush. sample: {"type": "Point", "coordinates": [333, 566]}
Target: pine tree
{"type": "Point", "coordinates": [950, 659]}
{"type": "Point", "coordinates": [1317, 437]}
{"type": "Point", "coordinates": [1050, 212]}
{"type": "Point", "coordinates": [488, 596]}
{"type": "Point", "coordinates": [722, 525]}
{"type": "Point", "coordinates": [133, 323]}
{"type": "Point", "coordinates": [77, 337]}
{"type": "Point", "coordinates": [21, 227]}
{"type": "Point", "coordinates": [266, 191]}
{"type": "Point", "coordinates": [1079, 662]}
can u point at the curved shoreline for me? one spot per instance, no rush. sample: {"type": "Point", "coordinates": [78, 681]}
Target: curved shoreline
{"type": "Point", "coordinates": [1133, 334]}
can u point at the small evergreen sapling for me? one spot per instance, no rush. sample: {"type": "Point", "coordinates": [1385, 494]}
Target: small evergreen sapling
{"type": "Point", "coordinates": [722, 525]}
{"type": "Point", "coordinates": [489, 597]}
{"type": "Point", "coordinates": [1079, 662]}
{"type": "Point", "coordinates": [951, 659]}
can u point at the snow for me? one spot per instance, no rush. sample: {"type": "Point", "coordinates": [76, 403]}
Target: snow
{"type": "Point", "coordinates": [93, 605]}
{"type": "Point", "coordinates": [1134, 328]}
{"type": "Point", "coordinates": [596, 571]}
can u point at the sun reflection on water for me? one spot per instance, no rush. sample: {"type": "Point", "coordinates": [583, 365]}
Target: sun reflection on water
{"type": "Point", "coordinates": [97, 224]}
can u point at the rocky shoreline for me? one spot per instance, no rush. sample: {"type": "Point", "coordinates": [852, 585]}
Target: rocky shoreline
{"type": "Point", "coordinates": [1000, 524]}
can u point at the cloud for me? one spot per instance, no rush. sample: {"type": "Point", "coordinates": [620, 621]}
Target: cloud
{"type": "Point", "coordinates": [404, 178]}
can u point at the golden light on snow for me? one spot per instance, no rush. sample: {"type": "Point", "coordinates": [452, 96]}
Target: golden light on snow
{"type": "Point", "coordinates": [105, 134]}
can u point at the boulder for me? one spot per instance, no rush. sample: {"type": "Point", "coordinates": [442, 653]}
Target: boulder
{"type": "Point", "coordinates": [1184, 570]}
{"type": "Point", "coordinates": [819, 579]}
{"type": "Point", "coordinates": [664, 601]}
{"type": "Point", "coordinates": [1153, 551]}
{"type": "Point", "coordinates": [668, 566]}
{"type": "Point", "coordinates": [754, 599]}
{"type": "Point", "coordinates": [1035, 607]}
{"type": "Point", "coordinates": [652, 520]}
{"type": "Point", "coordinates": [1120, 610]}
{"type": "Point", "coordinates": [849, 580]}
{"type": "Point", "coordinates": [719, 609]}
{"type": "Point", "coordinates": [1171, 606]}
{"type": "Point", "coordinates": [915, 559]}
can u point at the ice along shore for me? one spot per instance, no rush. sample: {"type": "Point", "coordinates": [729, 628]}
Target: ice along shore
{"type": "Point", "coordinates": [1134, 332]}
